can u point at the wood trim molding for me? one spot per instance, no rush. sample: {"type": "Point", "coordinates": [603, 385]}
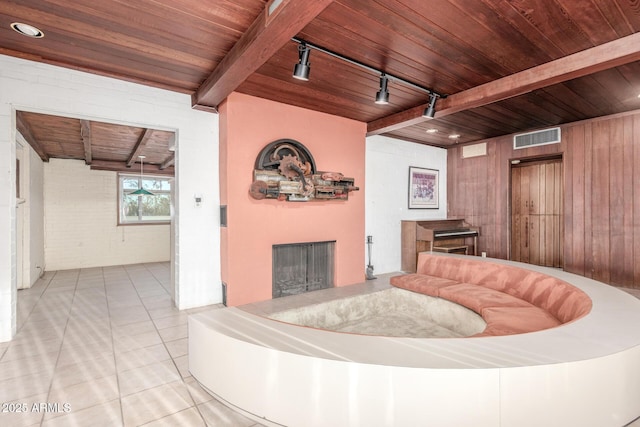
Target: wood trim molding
{"type": "Point", "coordinates": [23, 127]}
{"type": "Point", "coordinates": [151, 169]}
{"type": "Point", "coordinates": [85, 133]}
{"type": "Point", "coordinates": [259, 43]}
{"type": "Point", "coordinates": [603, 57]}
{"type": "Point", "coordinates": [170, 161]}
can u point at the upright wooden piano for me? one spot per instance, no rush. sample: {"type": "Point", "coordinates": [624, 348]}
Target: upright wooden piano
{"type": "Point", "coordinates": [419, 236]}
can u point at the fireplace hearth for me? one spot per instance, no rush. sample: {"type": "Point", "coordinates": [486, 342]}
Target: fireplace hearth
{"type": "Point", "coordinates": [302, 267]}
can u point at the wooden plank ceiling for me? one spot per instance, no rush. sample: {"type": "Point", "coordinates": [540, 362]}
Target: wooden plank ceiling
{"type": "Point", "coordinates": [505, 65]}
{"type": "Point", "coordinates": [103, 146]}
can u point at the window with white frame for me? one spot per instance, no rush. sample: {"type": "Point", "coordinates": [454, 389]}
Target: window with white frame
{"type": "Point", "coordinates": [150, 208]}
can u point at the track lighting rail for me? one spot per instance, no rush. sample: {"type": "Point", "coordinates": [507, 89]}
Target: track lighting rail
{"type": "Point", "coordinates": [431, 92]}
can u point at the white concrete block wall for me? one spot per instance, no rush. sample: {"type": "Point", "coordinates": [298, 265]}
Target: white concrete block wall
{"type": "Point", "coordinates": [81, 221]}
{"type": "Point", "coordinates": [8, 274]}
{"type": "Point", "coordinates": [386, 192]}
{"type": "Point", "coordinates": [30, 86]}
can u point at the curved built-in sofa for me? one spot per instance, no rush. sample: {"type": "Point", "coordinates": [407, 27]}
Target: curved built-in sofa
{"type": "Point", "coordinates": [510, 299]}
{"type": "Point", "coordinates": [559, 350]}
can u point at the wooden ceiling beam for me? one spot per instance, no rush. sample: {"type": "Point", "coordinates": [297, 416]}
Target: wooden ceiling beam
{"type": "Point", "coordinates": [137, 149]}
{"type": "Point", "coordinates": [603, 57]}
{"type": "Point", "coordinates": [85, 133]}
{"type": "Point", "coordinates": [23, 127]}
{"type": "Point", "coordinates": [266, 35]}
{"type": "Point", "coordinates": [168, 162]}
{"type": "Point", "coordinates": [108, 165]}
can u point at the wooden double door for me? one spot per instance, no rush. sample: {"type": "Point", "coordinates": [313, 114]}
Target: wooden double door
{"type": "Point", "coordinates": [536, 212]}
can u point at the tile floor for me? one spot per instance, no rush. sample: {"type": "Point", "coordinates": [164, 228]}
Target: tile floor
{"type": "Point", "coordinates": [105, 346]}
{"type": "Point", "coordinates": [109, 344]}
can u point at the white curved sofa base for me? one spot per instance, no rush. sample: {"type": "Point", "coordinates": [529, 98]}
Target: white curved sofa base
{"type": "Point", "coordinates": [585, 373]}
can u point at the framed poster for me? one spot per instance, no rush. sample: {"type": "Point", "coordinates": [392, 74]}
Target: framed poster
{"type": "Point", "coordinates": [423, 188]}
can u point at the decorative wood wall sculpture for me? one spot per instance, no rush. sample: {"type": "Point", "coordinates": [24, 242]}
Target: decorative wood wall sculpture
{"type": "Point", "coordinates": [285, 170]}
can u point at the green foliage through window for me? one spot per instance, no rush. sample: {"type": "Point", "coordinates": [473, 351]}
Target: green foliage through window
{"type": "Point", "coordinates": [144, 208]}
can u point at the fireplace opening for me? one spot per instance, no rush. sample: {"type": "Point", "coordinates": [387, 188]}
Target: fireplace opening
{"type": "Point", "coordinates": [302, 267]}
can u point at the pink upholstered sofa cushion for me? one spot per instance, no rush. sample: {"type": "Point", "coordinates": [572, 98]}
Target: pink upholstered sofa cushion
{"type": "Point", "coordinates": [516, 320]}
{"type": "Point", "coordinates": [478, 298]}
{"type": "Point", "coordinates": [510, 299]}
{"type": "Point", "coordinates": [562, 300]}
{"type": "Point", "coordinates": [421, 283]}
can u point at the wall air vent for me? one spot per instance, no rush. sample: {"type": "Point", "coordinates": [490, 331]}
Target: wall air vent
{"type": "Point", "coordinates": [539, 137]}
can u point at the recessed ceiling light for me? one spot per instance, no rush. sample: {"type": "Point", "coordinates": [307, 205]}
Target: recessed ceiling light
{"type": "Point", "coordinates": [432, 130]}
{"type": "Point", "coordinates": [27, 30]}
{"type": "Point", "coordinates": [454, 136]}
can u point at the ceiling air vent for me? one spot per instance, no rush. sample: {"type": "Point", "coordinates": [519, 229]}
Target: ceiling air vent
{"type": "Point", "coordinates": [539, 137]}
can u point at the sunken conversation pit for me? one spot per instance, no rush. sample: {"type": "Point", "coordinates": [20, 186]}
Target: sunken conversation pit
{"type": "Point", "coordinates": [533, 346]}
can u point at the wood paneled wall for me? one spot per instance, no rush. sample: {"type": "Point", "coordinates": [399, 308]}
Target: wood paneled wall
{"type": "Point", "coordinates": [601, 159]}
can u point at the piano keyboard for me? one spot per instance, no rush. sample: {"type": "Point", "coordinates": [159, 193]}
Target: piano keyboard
{"type": "Point", "coordinates": [461, 232]}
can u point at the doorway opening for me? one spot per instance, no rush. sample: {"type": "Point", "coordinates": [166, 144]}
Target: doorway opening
{"type": "Point", "coordinates": [85, 159]}
{"type": "Point", "coordinates": [537, 224]}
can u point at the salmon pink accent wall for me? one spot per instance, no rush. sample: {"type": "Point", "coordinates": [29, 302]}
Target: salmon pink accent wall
{"type": "Point", "coordinates": [337, 144]}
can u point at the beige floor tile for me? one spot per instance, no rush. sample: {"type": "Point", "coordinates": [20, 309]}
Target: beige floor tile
{"type": "Point", "coordinates": [40, 331]}
{"type": "Point", "coordinates": [158, 301]}
{"type": "Point", "coordinates": [28, 365]}
{"type": "Point", "coordinates": [182, 363]}
{"type": "Point", "coordinates": [141, 357]}
{"type": "Point", "coordinates": [173, 333]}
{"type": "Point", "coordinates": [146, 377]}
{"type": "Point", "coordinates": [88, 284]}
{"type": "Point", "coordinates": [171, 321]}
{"type": "Point", "coordinates": [159, 313]}
{"type": "Point", "coordinates": [128, 317]}
{"type": "Point", "coordinates": [85, 394]}
{"type": "Point", "coordinates": [133, 329]}
{"type": "Point", "coordinates": [99, 338]}
{"type": "Point", "coordinates": [189, 417]}
{"type": "Point", "coordinates": [155, 403]}
{"type": "Point", "coordinates": [25, 349]}
{"type": "Point", "coordinates": [151, 291]}
{"type": "Point", "coordinates": [84, 371]}
{"type": "Point", "coordinates": [216, 414]}
{"type": "Point", "coordinates": [106, 414]}
{"type": "Point", "coordinates": [122, 298]}
{"type": "Point", "coordinates": [52, 315]}
{"type": "Point", "coordinates": [25, 386]}
{"type": "Point", "coordinates": [83, 352]}
{"type": "Point", "coordinates": [205, 308]}
{"type": "Point", "coordinates": [127, 311]}
{"type": "Point", "coordinates": [198, 394]}
{"type": "Point", "coordinates": [77, 355]}
{"type": "Point", "coordinates": [178, 348]}
{"type": "Point", "coordinates": [89, 313]}
{"type": "Point", "coordinates": [123, 343]}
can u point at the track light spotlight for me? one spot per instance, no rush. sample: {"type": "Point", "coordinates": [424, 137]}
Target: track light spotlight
{"type": "Point", "coordinates": [382, 97]}
{"type": "Point", "coordinates": [302, 68]}
{"type": "Point", "coordinates": [430, 111]}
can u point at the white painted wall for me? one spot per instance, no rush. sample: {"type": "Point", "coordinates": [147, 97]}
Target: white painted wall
{"type": "Point", "coordinates": [35, 204]}
{"type": "Point", "coordinates": [386, 193]}
{"type": "Point", "coordinates": [32, 209]}
{"type": "Point", "coordinates": [81, 221]}
{"type": "Point", "coordinates": [29, 216]}
{"type": "Point", "coordinates": [30, 86]}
